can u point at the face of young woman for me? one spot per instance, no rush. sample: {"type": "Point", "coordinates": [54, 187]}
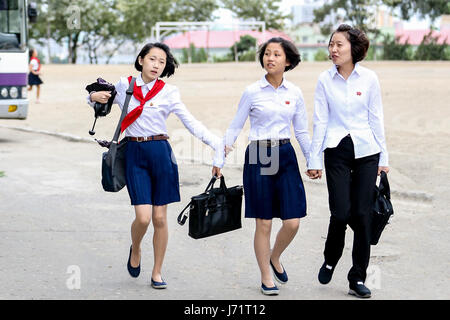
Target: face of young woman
{"type": "Point", "coordinates": [153, 64]}
{"type": "Point", "coordinates": [340, 49]}
{"type": "Point", "coordinates": [274, 59]}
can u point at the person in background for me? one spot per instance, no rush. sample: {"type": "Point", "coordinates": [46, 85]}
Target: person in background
{"type": "Point", "coordinates": [34, 78]}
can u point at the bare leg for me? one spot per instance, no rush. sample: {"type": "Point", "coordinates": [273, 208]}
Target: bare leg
{"type": "Point", "coordinates": [160, 239]}
{"type": "Point", "coordinates": [138, 230]}
{"type": "Point", "coordinates": [284, 237]}
{"type": "Point", "coordinates": [38, 93]}
{"type": "Point", "coordinates": [262, 250]}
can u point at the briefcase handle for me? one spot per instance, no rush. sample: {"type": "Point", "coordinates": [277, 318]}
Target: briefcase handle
{"type": "Point", "coordinates": [223, 186]}
{"type": "Point", "coordinates": [384, 185]}
{"type": "Point", "coordinates": [183, 217]}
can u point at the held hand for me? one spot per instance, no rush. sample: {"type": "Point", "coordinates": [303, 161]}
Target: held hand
{"type": "Point", "coordinates": [101, 96]}
{"type": "Point", "coordinates": [314, 174]}
{"type": "Point", "coordinates": [385, 169]}
{"type": "Point", "coordinates": [216, 172]}
{"type": "Point", "coordinates": [228, 150]}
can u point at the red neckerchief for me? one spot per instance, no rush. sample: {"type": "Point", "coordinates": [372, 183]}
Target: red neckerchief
{"type": "Point", "coordinates": [137, 93]}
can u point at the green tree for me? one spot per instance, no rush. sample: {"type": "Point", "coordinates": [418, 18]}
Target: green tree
{"type": "Point", "coordinates": [432, 9]}
{"type": "Point", "coordinates": [321, 55]}
{"type": "Point", "coordinates": [74, 23]}
{"type": "Point", "coordinates": [392, 50]}
{"type": "Point", "coordinates": [245, 44]}
{"type": "Point", "coordinates": [260, 10]}
{"type": "Point", "coordinates": [359, 13]}
{"type": "Point", "coordinates": [429, 49]}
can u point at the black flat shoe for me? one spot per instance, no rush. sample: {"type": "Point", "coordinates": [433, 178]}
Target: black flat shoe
{"type": "Point", "coordinates": [134, 272]}
{"type": "Point", "coordinates": [280, 277]}
{"type": "Point", "coordinates": [359, 290]}
{"type": "Point", "coordinates": [325, 273]}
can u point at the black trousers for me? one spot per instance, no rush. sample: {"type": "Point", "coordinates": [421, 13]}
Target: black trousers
{"type": "Point", "coordinates": [350, 185]}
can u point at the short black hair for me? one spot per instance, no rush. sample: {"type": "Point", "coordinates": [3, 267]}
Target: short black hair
{"type": "Point", "coordinates": [358, 41]}
{"type": "Point", "coordinates": [171, 62]}
{"type": "Point", "coordinates": [290, 50]}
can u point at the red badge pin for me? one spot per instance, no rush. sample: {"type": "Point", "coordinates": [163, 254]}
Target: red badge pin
{"type": "Point", "coordinates": [287, 102]}
{"type": "Point", "coordinates": [358, 93]}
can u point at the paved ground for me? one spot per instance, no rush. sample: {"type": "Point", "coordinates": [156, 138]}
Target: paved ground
{"type": "Point", "coordinates": [54, 215]}
{"type": "Point", "coordinates": [57, 223]}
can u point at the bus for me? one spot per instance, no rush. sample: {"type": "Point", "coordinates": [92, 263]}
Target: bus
{"type": "Point", "coordinates": [14, 57]}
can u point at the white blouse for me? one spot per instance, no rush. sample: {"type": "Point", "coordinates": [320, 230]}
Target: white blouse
{"type": "Point", "coordinates": [343, 107]}
{"type": "Point", "coordinates": [152, 121]}
{"type": "Point", "coordinates": [271, 113]}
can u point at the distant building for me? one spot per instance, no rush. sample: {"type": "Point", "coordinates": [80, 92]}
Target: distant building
{"type": "Point", "coordinates": [217, 42]}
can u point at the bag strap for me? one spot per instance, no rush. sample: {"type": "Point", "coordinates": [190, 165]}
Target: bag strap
{"type": "Point", "coordinates": [384, 185]}
{"type": "Point", "coordinates": [124, 109]}
{"type": "Point", "coordinates": [183, 217]}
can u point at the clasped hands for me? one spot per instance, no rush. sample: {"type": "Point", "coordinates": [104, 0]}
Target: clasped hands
{"type": "Point", "coordinates": [314, 174]}
{"type": "Point", "coordinates": [216, 170]}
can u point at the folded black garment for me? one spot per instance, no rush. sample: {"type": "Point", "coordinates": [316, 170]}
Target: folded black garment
{"type": "Point", "coordinates": [102, 110]}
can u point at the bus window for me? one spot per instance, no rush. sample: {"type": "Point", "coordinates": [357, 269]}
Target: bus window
{"type": "Point", "coordinates": [10, 25]}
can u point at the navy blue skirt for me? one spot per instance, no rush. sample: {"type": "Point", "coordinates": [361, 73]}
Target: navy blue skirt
{"type": "Point", "coordinates": [34, 79]}
{"type": "Point", "coordinates": [273, 186]}
{"type": "Point", "coordinates": [152, 173]}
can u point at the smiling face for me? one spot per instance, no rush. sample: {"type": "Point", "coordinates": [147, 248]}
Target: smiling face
{"type": "Point", "coordinates": [340, 49]}
{"type": "Point", "coordinates": [274, 59]}
{"type": "Point", "coordinates": [153, 64]}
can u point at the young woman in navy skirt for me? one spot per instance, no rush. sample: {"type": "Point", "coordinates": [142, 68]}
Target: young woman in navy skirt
{"type": "Point", "coordinates": [273, 186]}
{"type": "Point", "coordinates": [349, 130]}
{"type": "Point", "coordinates": [151, 168]}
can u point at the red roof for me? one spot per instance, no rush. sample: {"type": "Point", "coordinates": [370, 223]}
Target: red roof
{"type": "Point", "coordinates": [415, 37]}
{"type": "Point", "coordinates": [218, 39]}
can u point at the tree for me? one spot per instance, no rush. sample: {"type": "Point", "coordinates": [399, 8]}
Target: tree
{"type": "Point", "coordinates": [432, 9]}
{"type": "Point", "coordinates": [359, 13]}
{"type": "Point", "coordinates": [194, 10]}
{"type": "Point", "coordinates": [70, 22]}
{"type": "Point", "coordinates": [259, 10]}
{"type": "Point", "coordinates": [245, 44]}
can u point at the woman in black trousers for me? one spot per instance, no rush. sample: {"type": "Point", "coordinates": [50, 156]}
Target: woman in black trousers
{"type": "Point", "coordinates": [349, 129]}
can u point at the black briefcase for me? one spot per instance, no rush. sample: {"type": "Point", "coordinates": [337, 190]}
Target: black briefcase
{"type": "Point", "coordinates": [382, 208]}
{"type": "Point", "coordinates": [215, 211]}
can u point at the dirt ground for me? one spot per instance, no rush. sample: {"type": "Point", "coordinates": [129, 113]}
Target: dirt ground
{"type": "Point", "coordinates": [416, 99]}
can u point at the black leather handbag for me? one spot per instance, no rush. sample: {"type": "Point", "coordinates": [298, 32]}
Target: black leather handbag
{"type": "Point", "coordinates": [113, 161]}
{"type": "Point", "coordinates": [215, 211]}
{"type": "Point", "coordinates": [382, 208]}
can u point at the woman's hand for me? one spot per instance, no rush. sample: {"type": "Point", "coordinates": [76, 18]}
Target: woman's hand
{"type": "Point", "coordinates": [227, 150]}
{"type": "Point", "coordinates": [216, 172]}
{"type": "Point", "coordinates": [314, 174]}
{"type": "Point", "coordinates": [385, 169]}
{"type": "Point", "coordinates": [101, 96]}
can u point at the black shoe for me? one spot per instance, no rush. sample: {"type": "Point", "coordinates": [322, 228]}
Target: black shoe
{"type": "Point", "coordinates": [359, 290]}
{"type": "Point", "coordinates": [134, 272]}
{"type": "Point", "coordinates": [325, 273]}
{"type": "Point", "coordinates": [280, 277]}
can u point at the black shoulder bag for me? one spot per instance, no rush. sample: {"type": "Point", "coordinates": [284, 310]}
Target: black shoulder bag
{"type": "Point", "coordinates": [215, 211]}
{"type": "Point", "coordinates": [113, 161]}
{"type": "Point", "coordinates": [382, 208]}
